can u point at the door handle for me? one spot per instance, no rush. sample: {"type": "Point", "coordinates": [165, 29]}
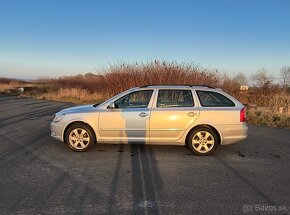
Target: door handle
{"type": "Point", "coordinates": [143, 114]}
{"type": "Point", "coordinates": [191, 114]}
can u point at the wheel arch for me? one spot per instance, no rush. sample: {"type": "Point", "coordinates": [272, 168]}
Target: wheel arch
{"type": "Point", "coordinates": [207, 126]}
{"type": "Point", "coordinates": [76, 122]}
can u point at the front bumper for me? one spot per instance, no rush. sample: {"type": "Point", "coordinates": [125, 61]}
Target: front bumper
{"type": "Point", "coordinates": [56, 130]}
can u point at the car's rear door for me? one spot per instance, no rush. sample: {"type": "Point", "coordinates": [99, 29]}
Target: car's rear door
{"type": "Point", "coordinates": [172, 113]}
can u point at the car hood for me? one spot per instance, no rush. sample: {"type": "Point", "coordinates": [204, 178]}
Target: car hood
{"type": "Point", "coordinates": [79, 109]}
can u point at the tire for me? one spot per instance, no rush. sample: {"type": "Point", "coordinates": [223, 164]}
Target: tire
{"type": "Point", "coordinates": [80, 137]}
{"type": "Point", "coordinates": [202, 141]}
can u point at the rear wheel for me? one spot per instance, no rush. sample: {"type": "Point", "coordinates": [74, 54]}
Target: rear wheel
{"type": "Point", "coordinates": [80, 137]}
{"type": "Point", "coordinates": [202, 141]}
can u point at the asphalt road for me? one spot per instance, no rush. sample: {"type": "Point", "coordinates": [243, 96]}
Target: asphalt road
{"type": "Point", "coordinates": [40, 175]}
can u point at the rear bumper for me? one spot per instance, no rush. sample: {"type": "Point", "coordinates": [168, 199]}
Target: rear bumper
{"type": "Point", "coordinates": [233, 133]}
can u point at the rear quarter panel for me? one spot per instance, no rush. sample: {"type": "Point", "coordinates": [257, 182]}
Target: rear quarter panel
{"type": "Point", "coordinates": [226, 120]}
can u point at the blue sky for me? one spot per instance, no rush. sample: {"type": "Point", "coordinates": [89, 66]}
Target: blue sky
{"type": "Point", "coordinates": [65, 37]}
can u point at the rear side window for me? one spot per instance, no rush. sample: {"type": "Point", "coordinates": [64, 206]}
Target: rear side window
{"type": "Point", "coordinates": [213, 99]}
{"type": "Point", "coordinates": [174, 98]}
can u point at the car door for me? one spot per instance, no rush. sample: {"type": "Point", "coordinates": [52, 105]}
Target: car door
{"type": "Point", "coordinates": [173, 112]}
{"type": "Point", "coordinates": [128, 119]}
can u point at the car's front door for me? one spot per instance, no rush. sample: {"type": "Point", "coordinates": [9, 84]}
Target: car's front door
{"type": "Point", "coordinates": [128, 119]}
{"type": "Point", "coordinates": [173, 113]}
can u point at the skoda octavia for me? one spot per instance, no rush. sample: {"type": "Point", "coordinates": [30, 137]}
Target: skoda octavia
{"type": "Point", "coordinates": [200, 117]}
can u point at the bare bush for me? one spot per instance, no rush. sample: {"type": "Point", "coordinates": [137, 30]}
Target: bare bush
{"type": "Point", "coordinates": [241, 79]}
{"type": "Point", "coordinates": [121, 77]}
{"type": "Point", "coordinates": [261, 79]}
{"type": "Point", "coordinates": [117, 78]}
{"type": "Point", "coordinates": [229, 85]}
{"type": "Point", "coordinates": [285, 76]}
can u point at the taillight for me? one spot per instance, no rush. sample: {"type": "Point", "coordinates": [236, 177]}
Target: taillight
{"type": "Point", "coordinates": [243, 115]}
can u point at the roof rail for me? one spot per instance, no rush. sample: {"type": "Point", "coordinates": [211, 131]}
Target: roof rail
{"type": "Point", "coordinates": [203, 85]}
{"type": "Point", "coordinates": [186, 85]}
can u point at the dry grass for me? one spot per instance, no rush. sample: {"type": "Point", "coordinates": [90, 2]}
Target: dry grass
{"type": "Point", "coordinates": [268, 118]}
{"type": "Point", "coordinates": [274, 103]}
{"type": "Point", "coordinates": [12, 86]}
{"type": "Point", "coordinates": [73, 95]}
{"type": "Point", "coordinates": [9, 86]}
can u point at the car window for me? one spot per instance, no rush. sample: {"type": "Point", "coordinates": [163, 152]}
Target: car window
{"type": "Point", "coordinates": [139, 99]}
{"type": "Point", "coordinates": [213, 99]}
{"type": "Point", "coordinates": [174, 98]}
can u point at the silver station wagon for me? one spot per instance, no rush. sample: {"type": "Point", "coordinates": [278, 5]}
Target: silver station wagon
{"type": "Point", "coordinates": [200, 117]}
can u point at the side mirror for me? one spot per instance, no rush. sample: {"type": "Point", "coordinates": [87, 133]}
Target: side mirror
{"type": "Point", "coordinates": [111, 105]}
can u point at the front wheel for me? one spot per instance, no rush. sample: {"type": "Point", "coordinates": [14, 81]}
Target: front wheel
{"type": "Point", "coordinates": [80, 137]}
{"type": "Point", "coordinates": [202, 141]}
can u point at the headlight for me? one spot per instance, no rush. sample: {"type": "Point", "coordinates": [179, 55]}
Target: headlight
{"type": "Point", "coordinates": [57, 117]}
